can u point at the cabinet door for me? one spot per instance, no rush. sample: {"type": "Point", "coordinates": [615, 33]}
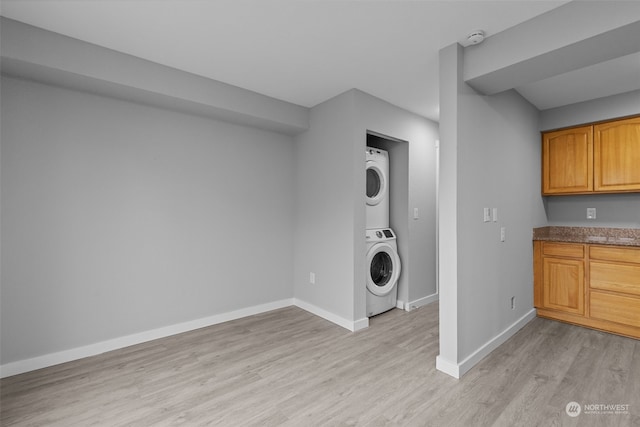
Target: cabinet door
{"type": "Point", "coordinates": [563, 281]}
{"type": "Point", "coordinates": [617, 155]}
{"type": "Point", "coordinates": [567, 161]}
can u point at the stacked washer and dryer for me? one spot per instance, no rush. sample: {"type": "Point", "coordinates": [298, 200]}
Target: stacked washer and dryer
{"type": "Point", "coordinates": [383, 261]}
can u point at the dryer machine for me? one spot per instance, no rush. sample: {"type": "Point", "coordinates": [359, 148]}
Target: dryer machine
{"type": "Point", "coordinates": [377, 188]}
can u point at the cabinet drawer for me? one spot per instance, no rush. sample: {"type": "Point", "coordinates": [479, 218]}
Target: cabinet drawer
{"type": "Point", "coordinates": [615, 277]}
{"type": "Point", "coordinates": [563, 249]}
{"type": "Point", "coordinates": [615, 254]}
{"type": "Point", "coordinates": [615, 308]}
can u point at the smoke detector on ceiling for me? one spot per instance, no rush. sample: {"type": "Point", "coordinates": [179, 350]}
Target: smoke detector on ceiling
{"type": "Point", "coordinates": [475, 37]}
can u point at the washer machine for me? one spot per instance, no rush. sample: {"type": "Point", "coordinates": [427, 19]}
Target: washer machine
{"type": "Point", "coordinates": [377, 188]}
{"type": "Point", "coordinates": [383, 270]}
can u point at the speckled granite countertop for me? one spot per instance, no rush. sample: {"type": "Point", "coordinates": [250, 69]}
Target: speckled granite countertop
{"type": "Point", "coordinates": [592, 235]}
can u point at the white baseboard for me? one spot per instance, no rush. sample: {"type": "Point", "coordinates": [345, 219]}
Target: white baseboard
{"type": "Point", "coordinates": [412, 305]}
{"type": "Point", "coordinates": [458, 370]}
{"type": "Point", "coordinates": [51, 359]}
{"type": "Point", "coordinates": [352, 325]}
{"type": "Point", "coordinates": [26, 365]}
{"type": "Point", "coordinates": [448, 367]}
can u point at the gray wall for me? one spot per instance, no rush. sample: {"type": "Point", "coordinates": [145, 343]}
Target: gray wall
{"type": "Point", "coordinates": [613, 210]}
{"type": "Point", "coordinates": [325, 195]}
{"type": "Point", "coordinates": [119, 218]}
{"type": "Point", "coordinates": [498, 166]}
{"type": "Point", "coordinates": [490, 157]}
{"type": "Point", "coordinates": [451, 59]}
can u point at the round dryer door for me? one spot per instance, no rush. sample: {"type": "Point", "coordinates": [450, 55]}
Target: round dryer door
{"type": "Point", "coordinates": [383, 269]}
{"type": "Point", "coordinates": [376, 184]}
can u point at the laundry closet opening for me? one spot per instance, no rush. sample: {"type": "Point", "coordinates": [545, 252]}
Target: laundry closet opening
{"type": "Point", "coordinates": [398, 202]}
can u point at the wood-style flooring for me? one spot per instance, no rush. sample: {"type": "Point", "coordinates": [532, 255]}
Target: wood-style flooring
{"type": "Point", "coordinates": [290, 368]}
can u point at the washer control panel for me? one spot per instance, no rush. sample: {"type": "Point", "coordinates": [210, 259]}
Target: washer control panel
{"type": "Point", "coordinates": [380, 234]}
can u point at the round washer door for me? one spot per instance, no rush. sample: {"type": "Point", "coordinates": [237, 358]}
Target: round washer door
{"type": "Point", "coordinates": [376, 183]}
{"type": "Point", "coordinates": [383, 265]}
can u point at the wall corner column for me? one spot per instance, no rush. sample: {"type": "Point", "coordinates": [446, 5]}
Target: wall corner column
{"type": "Point", "coordinates": [451, 67]}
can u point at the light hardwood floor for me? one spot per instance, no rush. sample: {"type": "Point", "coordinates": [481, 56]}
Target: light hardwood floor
{"type": "Point", "coordinates": [291, 368]}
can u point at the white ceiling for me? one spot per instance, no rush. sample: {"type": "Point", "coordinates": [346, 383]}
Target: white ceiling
{"type": "Point", "coordinates": [301, 51]}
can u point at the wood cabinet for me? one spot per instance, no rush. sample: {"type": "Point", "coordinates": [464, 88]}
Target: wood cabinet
{"type": "Point", "coordinates": [614, 284]}
{"type": "Point", "coordinates": [567, 157]}
{"type": "Point", "coordinates": [617, 156]}
{"type": "Point", "coordinates": [597, 158]}
{"type": "Point", "coordinates": [596, 286]}
{"type": "Point", "coordinates": [563, 277]}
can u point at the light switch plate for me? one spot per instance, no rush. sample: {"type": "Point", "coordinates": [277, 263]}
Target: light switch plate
{"type": "Point", "coordinates": [487, 214]}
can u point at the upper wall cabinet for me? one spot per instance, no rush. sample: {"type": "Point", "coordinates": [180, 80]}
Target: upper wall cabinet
{"type": "Point", "coordinates": [616, 156]}
{"type": "Point", "coordinates": [600, 158]}
{"type": "Point", "coordinates": [567, 161]}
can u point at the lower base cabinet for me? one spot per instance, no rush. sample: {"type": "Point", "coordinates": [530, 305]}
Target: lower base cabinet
{"type": "Point", "coordinates": [595, 286]}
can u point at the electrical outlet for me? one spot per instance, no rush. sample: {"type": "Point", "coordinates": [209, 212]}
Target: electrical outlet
{"type": "Point", "coordinates": [312, 278]}
{"type": "Point", "coordinates": [495, 214]}
{"type": "Point", "coordinates": [503, 234]}
{"type": "Point", "coordinates": [591, 213]}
